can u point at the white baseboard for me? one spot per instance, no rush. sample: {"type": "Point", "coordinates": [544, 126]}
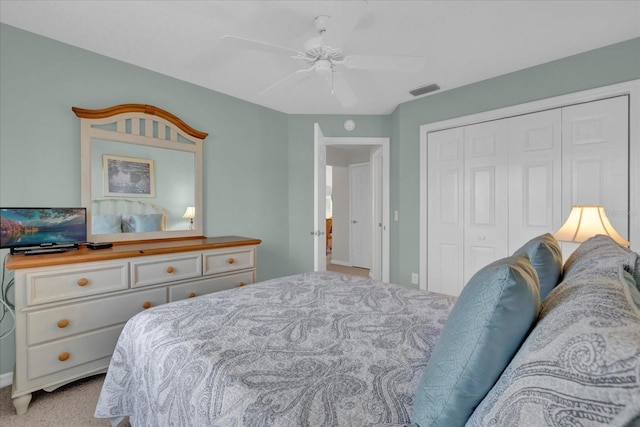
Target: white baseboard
{"type": "Point", "coordinates": [6, 379]}
{"type": "Point", "coordinates": [343, 263]}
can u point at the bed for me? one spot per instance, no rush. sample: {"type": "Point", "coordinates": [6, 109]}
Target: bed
{"type": "Point", "coordinates": [529, 342]}
{"type": "Point", "coordinates": [311, 349]}
{"type": "Point", "coordinates": [115, 215]}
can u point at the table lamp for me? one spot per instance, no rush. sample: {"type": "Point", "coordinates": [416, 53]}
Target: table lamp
{"type": "Point", "coordinates": [585, 222]}
{"type": "Point", "coordinates": [190, 213]}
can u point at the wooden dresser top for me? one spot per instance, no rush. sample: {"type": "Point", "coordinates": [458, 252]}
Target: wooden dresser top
{"type": "Point", "coordinates": [128, 250]}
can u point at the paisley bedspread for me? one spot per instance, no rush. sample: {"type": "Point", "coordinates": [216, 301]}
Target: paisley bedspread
{"type": "Point", "coordinates": [316, 349]}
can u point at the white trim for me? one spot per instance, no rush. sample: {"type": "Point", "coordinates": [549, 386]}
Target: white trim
{"type": "Point", "coordinates": [385, 143]}
{"type": "Point", "coordinates": [343, 263]}
{"type": "Point", "coordinates": [6, 379]}
{"type": "Point", "coordinates": [631, 88]}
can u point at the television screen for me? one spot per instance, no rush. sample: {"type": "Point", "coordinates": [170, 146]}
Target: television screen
{"type": "Point", "coordinates": [41, 226]}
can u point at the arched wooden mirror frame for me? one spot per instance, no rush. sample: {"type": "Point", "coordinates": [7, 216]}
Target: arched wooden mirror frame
{"type": "Point", "coordinates": [148, 128]}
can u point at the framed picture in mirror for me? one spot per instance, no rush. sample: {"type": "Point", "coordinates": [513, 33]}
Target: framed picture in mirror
{"type": "Point", "coordinates": [128, 176]}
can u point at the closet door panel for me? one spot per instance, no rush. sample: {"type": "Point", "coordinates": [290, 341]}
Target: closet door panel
{"type": "Point", "coordinates": [445, 210]}
{"type": "Point", "coordinates": [535, 189]}
{"type": "Point", "coordinates": [595, 153]}
{"type": "Point", "coordinates": [486, 195]}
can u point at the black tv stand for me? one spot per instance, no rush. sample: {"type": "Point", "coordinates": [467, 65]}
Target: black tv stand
{"type": "Point", "coordinates": [46, 248]}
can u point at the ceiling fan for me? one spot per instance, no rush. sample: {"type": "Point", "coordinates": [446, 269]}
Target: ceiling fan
{"type": "Point", "coordinates": [325, 60]}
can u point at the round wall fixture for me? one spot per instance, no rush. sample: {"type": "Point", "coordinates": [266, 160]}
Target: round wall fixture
{"type": "Point", "coordinates": [349, 125]}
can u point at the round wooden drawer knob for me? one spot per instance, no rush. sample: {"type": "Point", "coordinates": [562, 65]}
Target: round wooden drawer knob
{"type": "Point", "coordinates": [63, 323]}
{"type": "Point", "coordinates": [83, 282]}
{"type": "Point", "coordinates": [146, 305]}
{"type": "Point", "coordinates": [231, 260]}
{"type": "Point", "coordinates": [170, 269]}
{"type": "Point", "coordinates": [192, 295]}
{"type": "Point", "coordinates": [63, 357]}
{"type": "Point", "coordinates": [241, 284]}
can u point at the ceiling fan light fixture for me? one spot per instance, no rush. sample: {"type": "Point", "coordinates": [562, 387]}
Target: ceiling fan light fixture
{"type": "Point", "coordinates": [324, 67]}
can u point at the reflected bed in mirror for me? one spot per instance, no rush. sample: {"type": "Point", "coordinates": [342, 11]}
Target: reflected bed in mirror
{"type": "Point", "coordinates": [141, 168]}
{"type": "Point", "coordinates": [115, 216]}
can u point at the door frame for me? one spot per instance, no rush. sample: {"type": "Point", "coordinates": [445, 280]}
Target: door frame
{"type": "Point", "coordinates": [320, 162]}
{"type": "Point", "coordinates": [631, 88]}
{"type": "Point", "coordinates": [376, 210]}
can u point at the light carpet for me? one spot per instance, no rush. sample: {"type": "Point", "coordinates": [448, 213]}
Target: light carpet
{"type": "Point", "coordinates": [71, 405]}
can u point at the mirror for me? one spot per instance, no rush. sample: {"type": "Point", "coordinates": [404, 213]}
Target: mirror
{"type": "Point", "coordinates": [141, 174]}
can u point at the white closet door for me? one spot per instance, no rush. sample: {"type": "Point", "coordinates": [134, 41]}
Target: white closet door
{"type": "Point", "coordinates": [445, 177]}
{"type": "Point", "coordinates": [535, 182]}
{"type": "Point", "coordinates": [486, 202]}
{"type": "Point", "coordinates": [595, 160]}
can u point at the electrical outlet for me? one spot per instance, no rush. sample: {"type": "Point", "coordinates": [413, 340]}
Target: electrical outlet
{"type": "Point", "coordinates": [414, 278]}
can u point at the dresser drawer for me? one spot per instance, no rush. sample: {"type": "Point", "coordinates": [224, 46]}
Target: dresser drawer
{"type": "Point", "coordinates": [166, 269]}
{"type": "Point", "coordinates": [207, 286]}
{"type": "Point", "coordinates": [229, 260]}
{"type": "Point", "coordinates": [60, 322]}
{"type": "Point", "coordinates": [63, 284]}
{"type": "Point", "coordinates": [71, 352]}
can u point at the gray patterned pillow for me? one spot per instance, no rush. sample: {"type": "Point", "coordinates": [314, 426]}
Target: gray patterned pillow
{"type": "Point", "coordinates": [580, 366]}
{"type": "Point", "coordinates": [599, 253]}
{"type": "Point", "coordinates": [636, 272]}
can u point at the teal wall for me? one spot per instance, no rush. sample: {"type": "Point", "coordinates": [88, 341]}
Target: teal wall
{"type": "Point", "coordinates": [245, 156]}
{"type": "Point", "coordinates": [258, 163]}
{"type": "Point", "coordinates": [601, 67]}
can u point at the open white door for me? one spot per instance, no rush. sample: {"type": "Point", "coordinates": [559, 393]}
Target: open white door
{"type": "Point", "coordinates": [320, 161]}
{"type": "Point", "coordinates": [320, 188]}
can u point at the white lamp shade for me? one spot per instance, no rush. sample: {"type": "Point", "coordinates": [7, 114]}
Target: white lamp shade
{"type": "Point", "coordinates": [190, 212]}
{"type": "Point", "coordinates": [585, 222]}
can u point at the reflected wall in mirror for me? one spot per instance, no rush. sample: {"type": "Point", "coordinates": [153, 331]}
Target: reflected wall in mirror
{"type": "Point", "coordinates": [141, 168]}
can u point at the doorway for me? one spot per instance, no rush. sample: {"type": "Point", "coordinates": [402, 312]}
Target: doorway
{"type": "Point", "coordinates": [379, 149]}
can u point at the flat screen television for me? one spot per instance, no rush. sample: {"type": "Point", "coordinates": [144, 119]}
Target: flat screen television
{"type": "Point", "coordinates": [26, 227]}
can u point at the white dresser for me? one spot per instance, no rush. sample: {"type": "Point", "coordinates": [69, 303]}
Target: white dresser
{"type": "Point", "coordinates": [71, 307]}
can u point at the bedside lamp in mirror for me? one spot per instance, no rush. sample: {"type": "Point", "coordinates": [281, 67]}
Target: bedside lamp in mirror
{"type": "Point", "coordinates": [585, 222]}
{"type": "Point", "coordinates": [190, 213]}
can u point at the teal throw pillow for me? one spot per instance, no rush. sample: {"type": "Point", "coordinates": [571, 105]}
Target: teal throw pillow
{"type": "Point", "coordinates": [106, 224]}
{"type": "Point", "coordinates": [489, 321]}
{"type": "Point", "coordinates": [545, 255]}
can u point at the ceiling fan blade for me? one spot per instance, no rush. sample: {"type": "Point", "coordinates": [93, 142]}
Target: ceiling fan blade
{"type": "Point", "coordinates": [342, 90]}
{"type": "Point", "coordinates": [258, 45]}
{"type": "Point", "coordinates": [342, 22]}
{"type": "Point", "coordinates": [385, 62]}
{"type": "Point", "coordinates": [290, 80]}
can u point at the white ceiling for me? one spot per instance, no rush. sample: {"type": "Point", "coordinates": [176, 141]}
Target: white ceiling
{"type": "Point", "coordinates": [463, 41]}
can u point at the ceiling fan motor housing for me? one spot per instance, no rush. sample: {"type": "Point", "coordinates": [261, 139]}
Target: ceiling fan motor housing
{"type": "Point", "coordinates": [315, 50]}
